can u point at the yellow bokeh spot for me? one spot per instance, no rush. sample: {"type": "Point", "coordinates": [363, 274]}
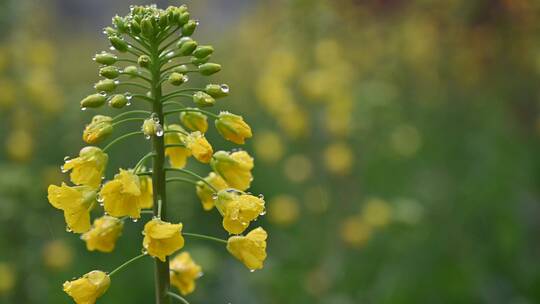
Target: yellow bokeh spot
{"type": "Point", "coordinates": [283, 210]}
{"type": "Point", "coordinates": [355, 232]}
{"type": "Point", "coordinates": [57, 255]}
{"type": "Point", "coordinates": [297, 168]}
{"type": "Point", "coordinates": [376, 212]}
{"type": "Point", "coordinates": [20, 145]}
{"type": "Point", "coordinates": [7, 278]}
{"type": "Point", "coordinates": [268, 146]}
{"type": "Point", "coordinates": [338, 158]}
{"type": "Point", "coordinates": [405, 140]}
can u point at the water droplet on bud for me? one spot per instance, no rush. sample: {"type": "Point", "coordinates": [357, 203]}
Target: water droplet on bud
{"type": "Point", "coordinates": [83, 109]}
{"type": "Point", "coordinates": [224, 88]}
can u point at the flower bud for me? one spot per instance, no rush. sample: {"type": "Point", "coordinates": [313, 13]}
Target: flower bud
{"type": "Point", "coordinates": [110, 72]}
{"type": "Point", "coordinates": [163, 21]}
{"type": "Point", "coordinates": [98, 130]}
{"type": "Point", "coordinates": [232, 127]}
{"type": "Point", "coordinates": [186, 46]}
{"type": "Point", "coordinates": [105, 58]}
{"type": "Point", "coordinates": [203, 51]}
{"type": "Point", "coordinates": [120, 24]}
{"type": "Point", "coordinates": [195, 121]}
{"type": "Point", "coordinates": [182, 69]}
{"type": "Point", "coordinates": [189, 27]}
{"type": "Point", "coordinates": [177, 79]}
{"type": "Point", "coordinates": [217, 90]}
{"type": "Point", "coordinates": [199, 61]}
{"type": "Point", "coordinates": [109, 31]}
{"type": "Point", "coordinates": [119, 44]}
{"type": "Point", "coordinates": [93, 101]}
{"type": "Point", "coordinates": [105, 85]}
{"type": "Point", "coordinates": [147, 29]}
{"type": "Point", "coordinates": [183, 18]}
{"type": "Point", "coordinates": [118, 101]}
{"type": "Point", "coordinates": [151, 127]}
{"type": "Point", "coordinates": [135, 27]}
{"type": "Point", "coordinates": [202, 99]}
{"type": "Point", "coordinates": [209, 68]}
{"type": "Point", "coordinates": [131, 70]}
{"type": "Point", "coordinates": [144, 61]}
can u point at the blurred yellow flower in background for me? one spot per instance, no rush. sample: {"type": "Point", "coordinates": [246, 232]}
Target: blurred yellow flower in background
{"type": "Point", "coordinates": [57, 255]}
{"type": "Point", "coordinates": [338, 158]}
{"type": "Point", "coordinates": [184, 271]}
{"type": "Point", "coordinates": [354, 231]}
{"type": "Point", "coordinates": [376, 212]}
{"type": "Point", "coordinates": [297, 168]}
{"type": "Point", "coordinates": [283, 210]}
{"type": "Point", "coordinates": [103, 234]}
{"type": "Point", "coordinates": [268, 146]}
{"type": "Point", "coordinates": [7, 278]}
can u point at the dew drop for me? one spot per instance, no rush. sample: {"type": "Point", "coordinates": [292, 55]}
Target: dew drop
{"type": "Point", "coordinates": [128, 95]}
{"type": "Point", "coordinates": [185, 78]}
{"type": "Point", "coordinates": [170, 54]}
{"type": "Point", "coordinates": [63, 170]}
{"type": "Point", "coordinates": [263, 213]}
{"type": "Point", "coordinates": [144, 251]}
{"type": "Point", "coordinates": [83, 109]}
{"type": "Point", "coordinates": [134, 220]}
{"type": "Point", "coordinates": [197, 22]}
{"type": "Point", "coordinates": [116, 82]}
{"type": "Point", "coordinates": [99, 198]}
{"type": "Point", "coordinates": [252, 270]}
{"type": "Point", "coordinates": [68, 229]}
{"type": "Point", "coordinates": [261, 196]}
{"type": "Point", "coordinates": [129, 47]}
{"type": "Point", "coordinates": [112, 48]}
{"type": "Point", "coordinates": [159, 131]}
{"type": "Point", "coordinates": [66, 158]}
{"type": "Point", "coordinates": [147, 137]}
{"type": "Point", "coordinates": [224, 88]}
{"type": "Point", "coordinates": [103, 93]}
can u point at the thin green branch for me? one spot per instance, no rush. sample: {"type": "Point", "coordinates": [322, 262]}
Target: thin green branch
{"type": "Point", "coordinates": [126, 264]}
{"type": "Point", "coordinates": [178, 297]}
{"type": "Point", "coordinates": [137, 76]}
{"type": "Point", "coordinates": [131, 112]}
{"type": "Point", "coordinates": [134, 84]}
{"type": "Point", "coordinates": [191, 110]}
{"type": "Point", "coordinates": [180, 179]}
{"type": "Point", "coordinates": [204, 237]}
{"type": "Point", "coordinates": [174, 66]}
{"type": "Point", "coordinates": [144, 97]}
{"type": "Point", "coordinates": [176, 95]}
{"type": "Point", "coordinates": [167, 35]}
{"type": "Point", "coordinates": [118, 139]}
{"type": "Point", "coordinates": [176, 131]}
{"type": "Point", "coordinates": [127, 60]}
{"type": "Point", "coordinates": [194, 175]}
{"type": "Point", "coordinates": [141, 161]}
{"type": "Point", "coordinates": [114, 124]}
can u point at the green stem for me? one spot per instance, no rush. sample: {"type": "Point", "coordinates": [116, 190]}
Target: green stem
{"type": "Point", "coordinates": [127, 119]}
{"type": "Point", "coordinates": [191, 110]}
{"type": "Point", "coordinates": [141, 161]}
{"type": "Point", "coordinates": [194, 175]}
{"type": "Point", "coordinates": [116, 140]}
{"type": "Point", "coordinates": [161, 269]}
{"type": "Point", "coordinates": [181, 299]}
{"type": "Point", "coordinates": [204, 237]}
{"type": "Point", "coordinates": [174, 66]}
{"type": "Point", "coordinates": [126, 60]}
{"type": "Point", "coordinates": [126, 264]}
{"type": "Point", "coordinates": [134, 84]}
{"type": "Point", "coordinates": [181, 91]}
{"type": "Point", "coordinates": [143, 97]}
{"type": "Point", "coordinates": [137, 76]}
{"type": "Point", "coordinates": [131, 112]}
{"type": "Point", "coordinates": [180, 179]}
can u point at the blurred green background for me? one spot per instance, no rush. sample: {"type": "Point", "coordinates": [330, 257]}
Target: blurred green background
{"type": "Point", "coordinates": [396, 143]}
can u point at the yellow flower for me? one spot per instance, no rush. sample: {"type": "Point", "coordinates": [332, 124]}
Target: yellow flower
{"type": "Point", "coordinates": [233, 127]}
{"type": "Point", "coordinates": [377, 212]}
{"type": "Point", "coordinates": [177, 155]}
{"type": "Point", "coordinates": [194, 121]}
{"type": "Point", "coordinates": [151, 127]}
{"type": "Point", "coordinates": [162, 239]}
{"type": "Point", "coordinates": [199, 146]}
{"type": "Point", "coordinates": [123, 195]}
{"type": "Point", "coordinates": [88, 168]}
{"type": "Point", "coordinates": [235, 168]}
{"type": "Point", "coordinates": [98, 130]}
{"type": "Point", "coordinates": [268, 146]}
{"type": "Point", "coordinates": [184, 271]}
{"type": "Point", "coordinates": [104, 233]}
{"type": "Point", "coordinates": [249, 249]}
{"type": "Point", "coordinates": [238, 210]}
{"type": "Point", "coordinates": [76, 202]}
{"type": "Point", "coordinates": [87, 289]}
{"type": "Point", "coordinates": [20, 145]}
{"type": "Point", "coordinates": [355, 232]}
{"type": "Point", "coordinates": [147, 192]}
{"type": "Point", "coordinates": [206, 194]}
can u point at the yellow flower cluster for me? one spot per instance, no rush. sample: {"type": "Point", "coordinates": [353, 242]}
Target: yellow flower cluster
{"type": "Point", "coordinates": [132, 190]}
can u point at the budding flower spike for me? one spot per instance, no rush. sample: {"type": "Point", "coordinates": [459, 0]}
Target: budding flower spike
{"type": "Point", "coordinates": [152, 58]}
